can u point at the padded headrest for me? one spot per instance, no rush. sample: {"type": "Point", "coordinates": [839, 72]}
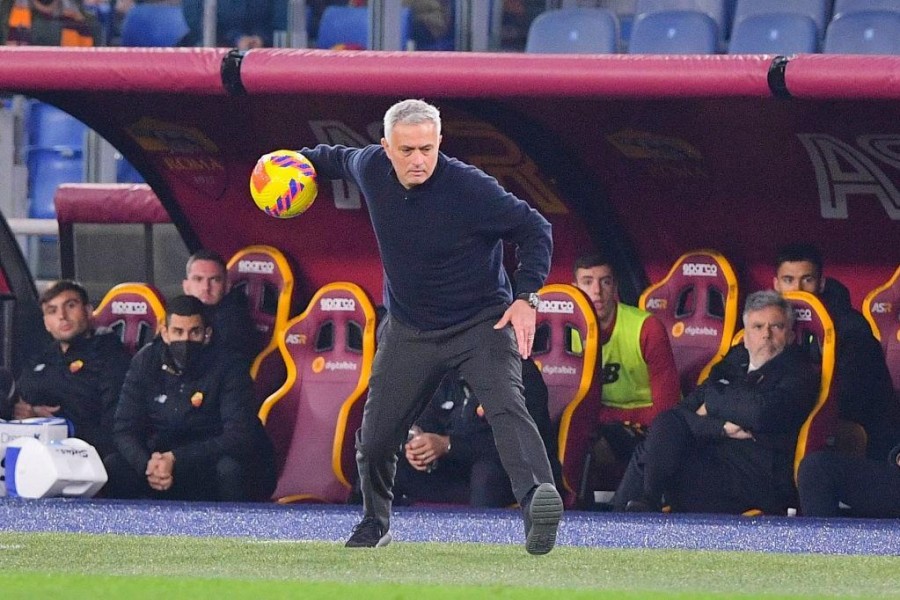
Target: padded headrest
{"type": "Point", "coordinates": [565, 344]}
{"type": "Point", "coordinates": [698, 304]}
{"type": "Point", "coordinates": [265, 275]}
{"type": "Point", "coordinates": [882, 309]}
{"type": "Point", "coordinates": [133, 311]}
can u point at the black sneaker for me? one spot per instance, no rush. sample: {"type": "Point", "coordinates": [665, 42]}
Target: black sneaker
{"type": "Point", "coordinates": [542, 514]}
{"type": "Point", "coordinates": [369, 533]}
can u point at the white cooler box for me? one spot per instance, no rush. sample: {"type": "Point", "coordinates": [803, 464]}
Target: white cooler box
{"type": "Point", "coordinates": [45, 429]}
{"type": "Point", "coordinates": [69, 467]}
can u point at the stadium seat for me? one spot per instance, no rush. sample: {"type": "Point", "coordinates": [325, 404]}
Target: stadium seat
{"type": "Point", "coordinates": [48, 168]}
{"type": "Point", "coordinates": [566, 349]}
{"type": "Point", "coordinates": [674, 32]}
{"type": "Point", "coordinates": [775, 33]}
{"type": "Point", "coordinates": [817, 10]}
{"type": "Point", "coordinates": [845, 7]}
{"type": "Point", "coordinates": [574, 31]}
{"type": "Point", "coordinates": [347, 28]}
{"type": "Point", "coordinates": [312, 419]}
{"type": "Point", "coordinates": [152, 24]}
{"type": "Point", "coordinates": [717, 10]}
{"type": "Point", "coordinates": [881, 308]}
{"type": "Point", "coordinates": [265, 276]}
{"type": "Point", "coordinates": [53, 128]}
{"type": "Point", "coordinates": [134, 311]}
{"type": "Point", "coordinates": [875, 32]}
{"type": "Point", "coordinates": [697, 302]}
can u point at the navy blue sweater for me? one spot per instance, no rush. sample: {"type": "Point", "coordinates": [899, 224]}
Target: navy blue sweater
{"type": "Point", "coordinates": [441, 242]}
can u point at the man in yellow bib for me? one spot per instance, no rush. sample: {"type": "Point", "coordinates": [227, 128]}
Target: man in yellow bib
{"type": "Point", "coordinates": [640, 379]}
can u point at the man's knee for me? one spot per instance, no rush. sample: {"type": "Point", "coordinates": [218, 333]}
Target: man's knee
{"type": "Point", "coordinates": [816, 468]}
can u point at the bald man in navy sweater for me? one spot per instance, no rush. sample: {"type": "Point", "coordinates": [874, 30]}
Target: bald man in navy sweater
{"type": "Point", "coordinates": [440, 225]}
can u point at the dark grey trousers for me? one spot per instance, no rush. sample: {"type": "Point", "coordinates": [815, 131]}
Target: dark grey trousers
{"type": "Point", "coordinates": [408, 367]}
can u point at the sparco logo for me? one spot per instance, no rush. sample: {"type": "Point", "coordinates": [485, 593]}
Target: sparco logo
{"type": "Point", "coordinates": [657, 303]}
{"type": "Point", "coordinates": [256, 266]}
{"type": "Point", "coordinates": [562, 370]}
{"type": "Point", "coordinates": [699, 269]}
{"type": "Point", "coordinates": [701, 331]}
{"type": "Point", "coordinates": [348, 304]}
{"type": "Point", "coordinates": [802, 314]}
{"type": "Point", "coordinates": [882, 307]}
{"type": "Point", "coordinates": [341, 365]}
{"type": "Point", "coordinates": [557, 306]}
{"type": "Point", "coordinates": [129, 308]}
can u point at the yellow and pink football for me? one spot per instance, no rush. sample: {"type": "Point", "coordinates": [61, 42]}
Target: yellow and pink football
{"type": "Point", "coordinates": [283, 184]}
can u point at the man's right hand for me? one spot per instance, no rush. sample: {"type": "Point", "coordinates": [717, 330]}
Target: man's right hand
{"type": "Point", "coordinates": [425, 448]}
{"type": "Point", "coordinates": [736, 432]}
{"type": "Point", "coordinates": [23, 410]}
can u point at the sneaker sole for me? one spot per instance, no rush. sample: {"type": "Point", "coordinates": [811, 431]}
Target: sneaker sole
{"type": "Point", "coordinates": [545, 510]}
{"type": "Point", "coordinates": [386, 539]}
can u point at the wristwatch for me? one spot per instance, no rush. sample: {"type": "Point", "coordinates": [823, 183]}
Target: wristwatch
{"type": "Point", "coordinates": [531, 298]}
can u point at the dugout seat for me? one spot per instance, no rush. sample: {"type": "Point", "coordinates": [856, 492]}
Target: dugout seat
{"type": "Point", "coordinates": [698, 304]}
{"type": "Point", "coordinates": [266, 277]}
{"type": "Point", "coordinates": [567, 351]}
{"type": "Point", "coordinates": [134, 311]}
{"type": "Point", "coordinates": [574, 31]}
{"type": "Point", "coordinates": [881, 308]}
{"type": "Point", "coordinates": [312, 419]}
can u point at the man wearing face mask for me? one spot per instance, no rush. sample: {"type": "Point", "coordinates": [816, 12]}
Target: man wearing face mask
{"type": "Point", "coordinates": [184, 428]}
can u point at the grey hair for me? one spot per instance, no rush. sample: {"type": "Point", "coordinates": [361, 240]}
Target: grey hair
{"type": "Point", "coordinates": [766, 298]}
{"type": "Point", "coordinates": [411, 112]}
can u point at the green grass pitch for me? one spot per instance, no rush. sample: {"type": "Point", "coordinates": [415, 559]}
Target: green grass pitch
{"type": "Point", "coordinates": [65, 565]}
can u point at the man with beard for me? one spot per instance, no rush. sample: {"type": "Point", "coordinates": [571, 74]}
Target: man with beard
{"type": "Point", "coordinates": [184, 427]}
{"type": "Point", "coordinates": [729, 445]}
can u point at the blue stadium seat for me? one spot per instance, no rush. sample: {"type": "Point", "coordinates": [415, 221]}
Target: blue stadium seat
{"type": "Point", "coordinates": [574, 31]}
{"type": "Point", "coordinates": [845, 7]}
{"type": "Point", "coordinates": [716, 9]}
{"type": "Point", "coordinates": [674, 32]}
{"type": "Point", "coordinates": [50, 127]}
{"type": "Point", "coordinates": [817, 10]}
{"type": "Point", "coordinates": [874, 32]}
{"type": "Point", "coordinates": [347, 28]}
{"type": "Point", "coordinates": [154, 25]}
{"type": "Point", "coordinates": [125, 171]}
{"type": "Point", "coordinates": [774, 33]}
{"type": "Point", "coordinates": [47, 169]}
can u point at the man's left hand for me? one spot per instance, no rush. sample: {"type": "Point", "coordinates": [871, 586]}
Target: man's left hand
{"type": "Point", "coordinates": [522, 318]}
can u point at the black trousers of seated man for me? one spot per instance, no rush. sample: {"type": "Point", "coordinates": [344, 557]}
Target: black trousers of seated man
{"type": "Point", "coordinates": [223, 480]}
{"type": "Point", "coordinates": [409, 365]}
{"type": "Point", "coordinates": [871, 488]}
{"type": "Point", "coordinates": [721, 475]}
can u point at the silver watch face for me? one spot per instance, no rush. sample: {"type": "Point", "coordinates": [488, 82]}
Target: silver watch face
{"type": "Point", "coordinates": [532, 299]}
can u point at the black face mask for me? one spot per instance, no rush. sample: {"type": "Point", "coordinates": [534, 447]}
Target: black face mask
{"type": "Point", "coordinates": [184, 353]}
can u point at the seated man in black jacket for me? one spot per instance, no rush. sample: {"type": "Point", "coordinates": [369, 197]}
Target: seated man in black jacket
{"type": "Point", "coordinates": [184, 427]}
{"type": "Point", "coordinates": [78, 376]}
{"type": "Point", "coordinates": [451, 455]}
{"type": "Point", "coordinates": [729, 445]}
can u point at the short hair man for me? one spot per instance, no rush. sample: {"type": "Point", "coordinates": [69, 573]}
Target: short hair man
{"type": "Point", "coordinates": [206, 278]}
{"type": "Point", "coordinates": [440, 226]}
{"type": "Point", "coordinates": [185, 428]}
{"type": "Point", "coordinates": [451, 455]}
{"type": "Point", "coordinates": [78, 376]}
{"type": "Point", "coordinates": [729, 445]}
{"type": "Point", "coordinates": [640, 379]}
{"type": "Point", "coordinates": [865, 394]}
